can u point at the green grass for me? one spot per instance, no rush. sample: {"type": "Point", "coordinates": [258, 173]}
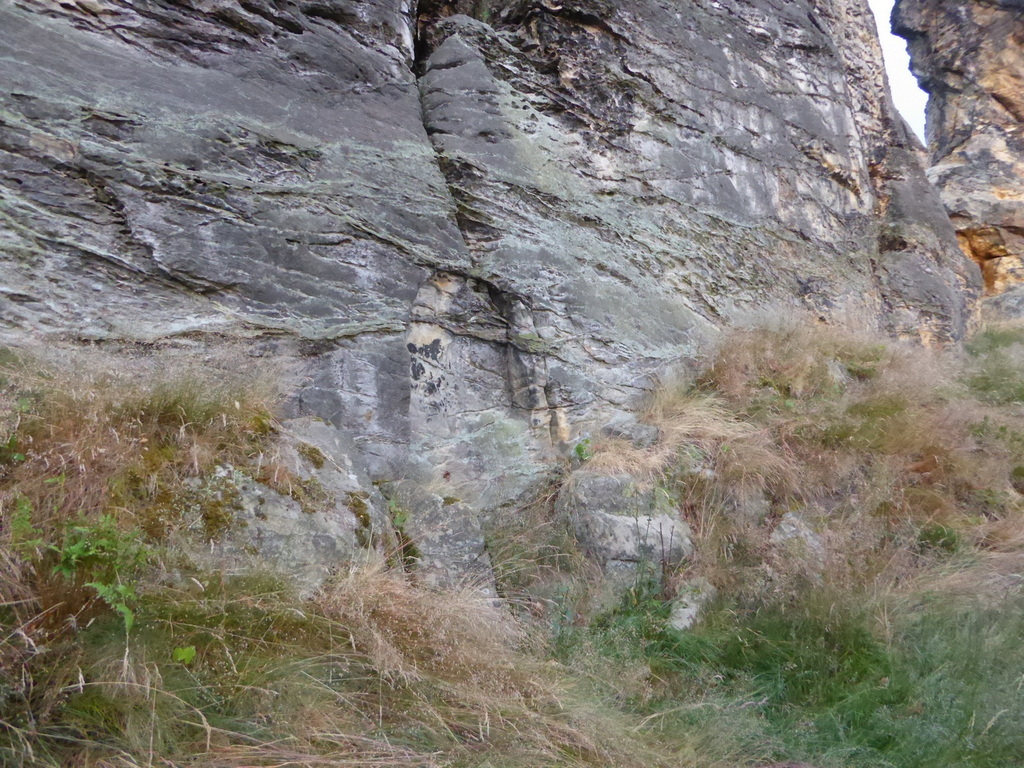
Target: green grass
{"type": "Point", "coordinates": [115, 649]}
{"type": "Point", "coordinates": [998, 378]}
{"type": "Point", "coordinates": [995, 338]}
{"type": "Point", "coordinates": [912, 471]}
{"type": "Point", "coordinates": [821, 679]}
{"type": "Point", "coordinates": [997, 374]}
{"type": "Point", "coordinates": [944, 690]}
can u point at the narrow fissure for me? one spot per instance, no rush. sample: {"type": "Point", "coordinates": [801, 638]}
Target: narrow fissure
{"type": "Point", "coordinates": [531, 394]}
{"type": "Point", "coordinates": [429, 13]}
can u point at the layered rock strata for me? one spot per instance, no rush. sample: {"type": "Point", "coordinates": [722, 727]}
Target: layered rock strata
{"type": "Point", "coordinates": [969, 57]}
{"type": "Point", "coordinates": [480, 227]}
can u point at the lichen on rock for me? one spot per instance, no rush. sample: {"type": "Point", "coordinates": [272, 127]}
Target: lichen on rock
{"type": "Point", "coordinates": [472, 228]}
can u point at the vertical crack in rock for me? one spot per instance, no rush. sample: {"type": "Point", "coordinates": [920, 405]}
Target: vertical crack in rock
{"type": "Point", "coordinates": [430, 12]}
{"type": "Point", "coordinates": [465, 329]}
{"type": "Point", "coordinates": [482, 407]}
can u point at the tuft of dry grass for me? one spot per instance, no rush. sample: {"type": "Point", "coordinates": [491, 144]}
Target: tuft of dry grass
{"type": "Point", "coordinates": [97, 434]}
{"type": "Point", "coordinates": [410, 634]}
{"type": "Point", "coordinates": [875, 443]}
{"type": "Point", "coordinates": [698, 430]}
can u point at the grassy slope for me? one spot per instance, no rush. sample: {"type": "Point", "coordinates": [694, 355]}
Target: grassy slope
{"type": "Point", "coordinates": [898, 645]}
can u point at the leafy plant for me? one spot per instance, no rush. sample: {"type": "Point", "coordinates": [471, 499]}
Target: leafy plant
{"type": "Point", "coordinates": [108, 557]}
{"type": "Point", "coordinates": [98, 548]}
{"type": "Point", "coordinates": [11, 451]}
{"type": "Point", "coordinates": [25, 537]}
{"type": "Point", "coordinates": [118, 597]}
{"type": "Point", "coordinates": [184, 654]}
{"type": "Point", "coordinates": [583, 450]}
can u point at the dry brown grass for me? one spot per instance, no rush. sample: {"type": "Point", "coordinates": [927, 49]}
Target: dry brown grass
{"type": "Point", "coordinates": [106, 444]}
{"type": "Point", "coordinates": [374, 671]}
{"type": "Point", "coordinates": [796, 359]}
{"type": "Point", "coordinates": [871, 440]}
{"type": "Point", "coordinates": [474, 651]}
{"type": "Point", "coordinates": [447, 675]}
{"type": "Point", "coordinates": [94, 435]}
{"type": "Point", "coordinates": [102, 432]}
{"type": "Point", "coordinates": [409, 633]}
{"type": "Point", "coordinates": [698, 429]}
{"type": "Point", "coordinates": [878, 447]}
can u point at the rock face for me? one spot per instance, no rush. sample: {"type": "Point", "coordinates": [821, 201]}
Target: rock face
{"type": "Point", "coordinates": [623, 526]}
{"type": "Point", "coordinates": [969, 56]}
{"type": "Point", "coordinates": [326, 513]}
{"type": "Point", "coordinates": [479, 226]}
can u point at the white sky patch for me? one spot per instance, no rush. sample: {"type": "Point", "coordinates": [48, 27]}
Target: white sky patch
{"type": "Point", "coordinates": [910, 99]}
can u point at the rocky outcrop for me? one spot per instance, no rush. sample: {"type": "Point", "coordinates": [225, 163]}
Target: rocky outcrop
{"type": "Point", "coordinates": [311, 512]}
{"type": "Point", "coordinates": [480, 227]}
{"type": "Point", "coordinates": [713, 160]}
{"type": "Point", "coordinates": [969, 57]}
{"type": "Point", "coordinates": [622, 525]}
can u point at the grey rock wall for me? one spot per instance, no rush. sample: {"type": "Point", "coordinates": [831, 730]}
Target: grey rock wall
{"type": "Point", "coordinates": [480, 227]}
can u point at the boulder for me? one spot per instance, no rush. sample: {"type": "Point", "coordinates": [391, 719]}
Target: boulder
{"type": "Point", "coordinates": [690, 601]}
{"type": "Point", "coordinates": [313, 513]}
{"type": "Point", "coordinates": [794, 536]}
{"type": "Point", "coordinates": [622, 525]}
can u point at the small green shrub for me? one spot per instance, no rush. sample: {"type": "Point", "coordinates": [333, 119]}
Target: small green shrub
{"type": "Point", "coordinates": [862, 361]}
{"type": "Point", "coordinates": [937, 537]}
{"type": "Point", "coordinates": [583, 451]}
{"type": "Point", "coordinates": [1017, 478]}
{"type": "Point", "coordinates": [98, 549]}
{"type": "Point", "coordinates": [11, 451]}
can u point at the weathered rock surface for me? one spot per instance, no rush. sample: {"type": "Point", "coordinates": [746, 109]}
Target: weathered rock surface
{"type": "Point", "coordinates": [270, 529]}
{"type": "Point", "coordinates": [442, 538]}
{"type": "Point", "coordinates": [322, 514]}
{"type": "Point", "coordinates": [708, 161]}
{"type": "Point", "coordinates": [795, 536]}
{"type": "Point", "coordinates": [622, 525]}
{"type": "Point", "coordinates": [969, 56]}
{"type": "Point", "coordinates": [475, 234]}
{"type": "Point", "coordinates": [692, 599]}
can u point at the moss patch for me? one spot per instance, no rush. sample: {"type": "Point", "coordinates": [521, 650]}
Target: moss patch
{"type": "Point", "coordinates": [358, 506]}
{"type": "Point", "coordinates": [312, 454]}
{"type": "Point", "coordinates": [311, 495]}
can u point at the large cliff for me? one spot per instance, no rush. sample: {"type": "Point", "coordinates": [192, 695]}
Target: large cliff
{"type": "Point", "coordinates": [969, 56]}
{"type": "Point", "coordinates": [309, 307]}
{"type": "Point", "coordinates": [478, 229]}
